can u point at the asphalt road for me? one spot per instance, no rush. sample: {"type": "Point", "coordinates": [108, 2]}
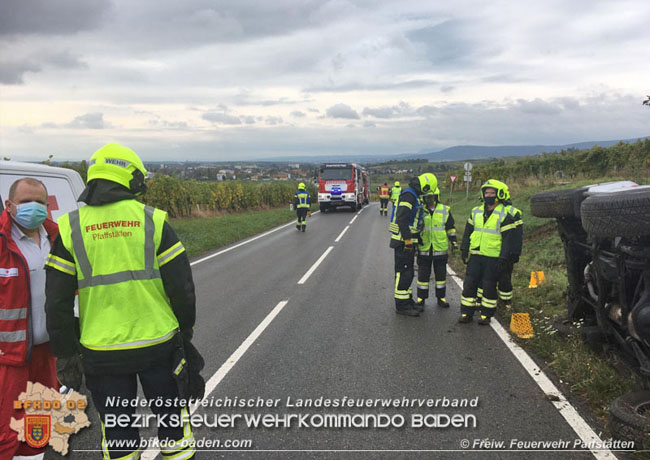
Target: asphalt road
{"type": "Point", "coordinates": [337, 336]}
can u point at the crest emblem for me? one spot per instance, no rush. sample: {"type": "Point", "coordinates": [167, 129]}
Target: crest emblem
{"type": "Point", "coordinates": [37, 430]}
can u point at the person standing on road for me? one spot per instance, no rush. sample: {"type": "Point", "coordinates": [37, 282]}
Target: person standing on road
{"type": "Point", "coordinates": [438, 234]}
{"type": "Point", "coordinates": [488, 238]}
{"type": "Point", "coordinates": [136, 304]}
{"type": "Point", "coordinates": [395, 192]}
{"type": "Point", "coordinates": [384, 195]}
{"type": "Point", "coordinates": [302, 203]}
{"type": "Point", "coordinates": [26, 236]}
{"type": "Point", "coordinates": [404, 236]}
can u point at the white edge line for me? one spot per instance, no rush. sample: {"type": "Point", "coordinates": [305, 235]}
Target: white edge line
{"type": "Point", "coordinates": [564, 407]}
{"type": "Point", "coordinates": [341, 235]}
{"type": "Point", "coordinates": [315, 266]}
{"type": "Point", "coordinates": [354, 218]}
{"type": "Point", "coordinates": [244, 242]}
{"type": "Point", "coordinates": [228, 365]}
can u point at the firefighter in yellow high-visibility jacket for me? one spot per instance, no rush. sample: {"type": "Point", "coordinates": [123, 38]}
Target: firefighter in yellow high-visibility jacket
{"type": "Point", "coordinates": [136, 306]}
{"type": "Point", "coordinates": [487, 249]}
{"type": "Point", "coordinates": [438, 235]}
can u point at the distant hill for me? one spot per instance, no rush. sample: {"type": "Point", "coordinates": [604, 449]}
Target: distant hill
{"type": "Point", "coordinates": [473, 152]}
{"type": "Point", "coordinates": [459, 152]}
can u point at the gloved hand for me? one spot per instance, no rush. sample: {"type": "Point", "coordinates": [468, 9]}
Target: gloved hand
{"type": "Point", "coordinates": [464, 255]}
{"type": "Point", "coordinates": [503, 266]}
{"type": "Point", "coordinates": [514, 258]}
{"type": "Point", "coordinates": [309, 213]}
{"type": "Point", "coordinates": [69, 371]}
{"type": "Point", "coordinates": [408, 245]}
{"type": "Point", "coordinates": [454, 247]}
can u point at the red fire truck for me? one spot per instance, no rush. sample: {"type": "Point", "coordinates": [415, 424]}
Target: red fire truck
{"type": "Point", "coordinates": [342, 184]}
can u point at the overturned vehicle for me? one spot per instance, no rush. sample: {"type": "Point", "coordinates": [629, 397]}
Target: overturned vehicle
{"type": "Point", "coordinates": [605, 230]}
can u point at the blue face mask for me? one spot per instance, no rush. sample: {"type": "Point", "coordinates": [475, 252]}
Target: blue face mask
{"type": "Point", "coordinates": [31, 215]}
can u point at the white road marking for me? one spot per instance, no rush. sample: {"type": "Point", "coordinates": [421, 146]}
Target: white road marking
{"type": "Point", "coordinates": [341, 235]}
{"type": "Point", "coordinates": [354, 218]}
{"type": "Point", "coordinates": [244, 242]}
{"type": "Point", "coordinates": [228, 365]}
{"type": "Point", "coordinates": [570, 414]}
{"type": "Point", "coordinates": [315, 266]}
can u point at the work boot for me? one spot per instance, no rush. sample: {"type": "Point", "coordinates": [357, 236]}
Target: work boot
{"type": "Point", "coordinates": [442, 302]}
{"type": "Point", "coordinates": [297, 227]}
{"type": "Point", "coordinates": [407, 311]}
{"type": "Point", "coordinates": [465, 318]}
{"type": "Point", "coordinates": [419, 305]}
{"type": "Point", "coordinates": [304, 228]}
{"type": "Point", "coordinates": [484, 320]}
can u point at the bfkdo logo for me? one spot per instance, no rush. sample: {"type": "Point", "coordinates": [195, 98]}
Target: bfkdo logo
{"type": "Point", "coordinates": [37, 430]}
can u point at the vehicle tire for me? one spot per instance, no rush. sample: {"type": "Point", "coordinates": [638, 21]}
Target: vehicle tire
{"type": "Point", "coordinates": [629, 418]}
{"type": "Point", "coordinates": [625, 214]}
{"type": "Point", "coordinates": [557, 203]}
{"type": "Point", "coordinates": [323, 207]}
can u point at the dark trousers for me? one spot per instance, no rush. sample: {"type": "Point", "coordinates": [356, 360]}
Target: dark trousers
{"type": "Point", "coordinates": [504, 285]}
{"type": "Point", "coordinates": [439, 264]}
{"type": "Point", "coordinates": [481, 270]}
{"type": "Point", "coordinates": [301, 223]}
{"type": "Point", "coordinates": [157, 382]}
{"type": "Point", "coordinates": [404, 274]}
{"type": "Point", "coordinates": [383, 206]}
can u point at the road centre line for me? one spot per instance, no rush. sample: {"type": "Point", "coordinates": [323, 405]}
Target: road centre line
{"type": "Point", "coordinates": [354, 218]}
{"type": "Point", "coordinates": [244, 242]}
{"type": "Point", "coordinates": [218, 376]}
{"type": "Point", "coordinates": [564, 407]}
{"type": "Point", "coordinates": [341, 235]}
{"type": "Point", "coordinates": [315, 266]}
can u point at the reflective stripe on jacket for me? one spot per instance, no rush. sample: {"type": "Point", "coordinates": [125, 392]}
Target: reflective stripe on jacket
{"type": "Point", "coordinates": [122, 300]}
{"type": "Point", "coordinates": [434, 234]}
{"type": "Point", "coordinates": [15, 295]}
{"type": "Point", "coordinates": [485, 240]}
{"type": "Point", "coordinates": [413, 217]}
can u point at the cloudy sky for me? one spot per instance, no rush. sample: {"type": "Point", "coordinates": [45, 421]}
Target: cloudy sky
{"type": "Point", "coordinates": [224, 79]}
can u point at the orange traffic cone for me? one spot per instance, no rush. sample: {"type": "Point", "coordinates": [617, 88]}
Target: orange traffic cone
{"type": "Point", "coordinates": [540, 277]}
{"type": "Point", "coordinates": [533, 280]}
{"type": "Point", "coordinates": [520, 324]}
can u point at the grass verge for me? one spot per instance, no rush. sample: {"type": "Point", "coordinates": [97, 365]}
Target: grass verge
{"type": "Point", "coordinates": [202, 234]}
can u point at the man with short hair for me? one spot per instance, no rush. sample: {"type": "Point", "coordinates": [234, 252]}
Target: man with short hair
{"type": "Point", "coordinates": [26, 236]}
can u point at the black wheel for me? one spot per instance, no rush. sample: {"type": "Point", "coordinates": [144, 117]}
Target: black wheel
{"type": "Point", "coordinates": [557, 203]}
{"type": "Point", "coordinates": [629, 418]}
{"type": "Point", "coordinates": [625, 214]}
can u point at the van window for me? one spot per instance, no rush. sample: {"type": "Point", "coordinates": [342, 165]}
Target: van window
{"type": "Point", "coordinates": [61, 200]}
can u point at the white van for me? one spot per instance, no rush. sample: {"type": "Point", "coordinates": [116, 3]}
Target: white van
{"type": "Point", "coordinates": [63, 185]}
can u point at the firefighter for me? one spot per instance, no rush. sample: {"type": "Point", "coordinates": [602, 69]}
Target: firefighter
{"type": "Point", "coordinates": [395, 191]}
{"type": "Point", "coordinates": [136, 305]}
{"type": "Point", "coordinates": [403, 228]}
{"type": "Point", "coordinates": [504, 284]}
{"type": "Point", "coordinates": [487, 249]}
{"type": "Point", "coordinates": [437, 235]}
{"type": "Point", "coordinates": [384, 195]}
{"type": "Point", "coordinates": [302, 203]}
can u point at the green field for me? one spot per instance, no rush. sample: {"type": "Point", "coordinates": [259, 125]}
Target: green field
{"type": "Point", "coordinates": [203, 234]}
